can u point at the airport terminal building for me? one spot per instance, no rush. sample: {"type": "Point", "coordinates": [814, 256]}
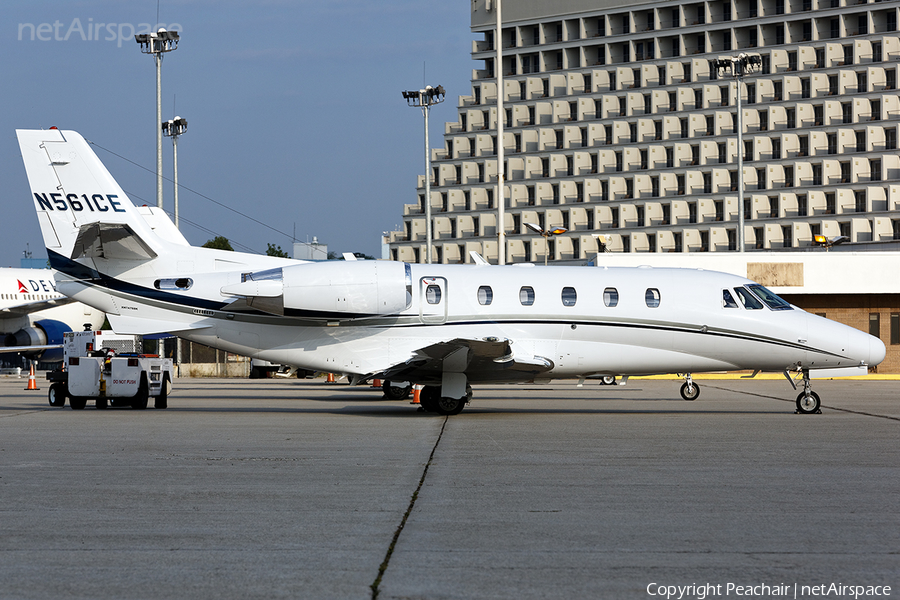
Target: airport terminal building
{"type": "Point", "coordinates": [617, 124]}
{"type": "Point", "coordinates": [619, 128]}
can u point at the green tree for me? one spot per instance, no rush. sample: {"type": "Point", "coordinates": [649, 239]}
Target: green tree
{"type": "Point", "coordinates": [274, 250]}
{"type": "Point", "coordinates": [220, 242]}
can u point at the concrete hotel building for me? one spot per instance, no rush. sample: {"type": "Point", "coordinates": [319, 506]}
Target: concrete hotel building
{"type": "Point", "coordinates": [617, 126]}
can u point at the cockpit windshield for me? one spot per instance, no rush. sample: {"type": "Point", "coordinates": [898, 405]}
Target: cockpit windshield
{"type": "Point", "coordinates": [771, 299]}
{"type": "Point", "coordinates": [747, 299]}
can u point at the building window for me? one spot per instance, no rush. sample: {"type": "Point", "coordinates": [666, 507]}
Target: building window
{"type": "Point", "coordinates": [875, 324]}
{"type": "Point", "coordinates": [895, 329]}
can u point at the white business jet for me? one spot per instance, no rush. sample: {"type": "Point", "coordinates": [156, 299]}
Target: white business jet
{"type": "Point", "coordinates": [34, 315]}
{"type": "Point", "coordinates": [442, 326]}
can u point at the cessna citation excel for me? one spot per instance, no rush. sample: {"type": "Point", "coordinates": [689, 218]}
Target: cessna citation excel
{"type": "Point", "coordinates": [34, 316]}
{"type": "Point", "coordinates": [442, 326]}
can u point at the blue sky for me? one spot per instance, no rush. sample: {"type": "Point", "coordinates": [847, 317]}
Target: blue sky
{"type": "Point", "coordinates": [294, 109]}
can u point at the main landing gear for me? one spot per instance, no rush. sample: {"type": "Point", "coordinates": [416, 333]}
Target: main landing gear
{"type": "Point", "coordinates": [690, 390]}
{"type": "Point", "coordinates": [430, 400]}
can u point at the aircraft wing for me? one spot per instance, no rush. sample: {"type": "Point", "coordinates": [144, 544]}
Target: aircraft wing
{"type": "Point", "coordinates": [489, 359]}
{"type": "Point", "coordinates": [16, 349]}
{"type": "Point", "coordinates": [26, 308]}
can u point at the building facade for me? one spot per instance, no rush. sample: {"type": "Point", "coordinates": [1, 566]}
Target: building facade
{"type": "Point", "coordinates": [619, 129]}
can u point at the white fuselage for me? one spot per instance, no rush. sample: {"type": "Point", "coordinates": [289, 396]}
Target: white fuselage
{"type": "Point", "coordinates": [691, 330]}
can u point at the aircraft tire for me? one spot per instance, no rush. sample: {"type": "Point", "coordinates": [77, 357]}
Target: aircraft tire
{"type": "Point", "coordinates": [428, 398]}
{"type": "Point", "coordinates": [608, 380]}
{"type": "Point", "coordinates": [395, 392]}
{"type": "Point", "coordinates": [57, 394]}
{"type": "Point", "coordinates": [450, 406]}
{"type": "Point", "coordinates": [690, 396]}
{"type": "Point", "coordinates": [140, 400]}
{"type": "Point", "coordinates": [162, 401]}
{"type": "Point", "coordinates": [808, 405]}
{"type": "Point", "coordinates": [77, 402]}
{"type": "Point", "coordinates": [101, 403]}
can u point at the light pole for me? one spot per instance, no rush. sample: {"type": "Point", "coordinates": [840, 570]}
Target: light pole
{"type": "Point", "coordinates": [740, 65]}
{"type": "Point", "coordinates": [501, 118]}
{"type": "Point", "coordinates": [157, 44]}
{"type": "Point", "coordinates": [425, 99]}
{"type": "Point", "coordinates": [173, 129]}
{"type": "Point", "coordinates": [546, 235]}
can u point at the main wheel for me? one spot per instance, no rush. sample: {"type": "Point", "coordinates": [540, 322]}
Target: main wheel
{"type": "Point", "coordinates": [139, 401]}
{"type": "Point", "coordinates": [77, 402]}
{"type": "Point", "coordinates": [57, 394]}
{"type": "Point", "coordinates": [429, 397]}
{"type": "Point", "coordinates": [808, 404]}
{"type": "Point", "coordinates": [608, 380]}
{"type": "Point", "coordinates": [395, 392]}
{"type": "Point", "coordinates": [162, 401]}
{"type": "Point", "coordinates": [102, 403]}
{"type": "Point", "coordinates": [690, 392]}
{"type": "Point", "coordinates": [450, 406]}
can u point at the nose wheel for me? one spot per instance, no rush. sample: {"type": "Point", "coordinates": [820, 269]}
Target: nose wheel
{"type": "Point", "coordinates": [808, 402]}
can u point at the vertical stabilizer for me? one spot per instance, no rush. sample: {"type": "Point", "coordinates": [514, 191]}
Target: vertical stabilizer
{"type": "Point", "coordinates": [80, 206]}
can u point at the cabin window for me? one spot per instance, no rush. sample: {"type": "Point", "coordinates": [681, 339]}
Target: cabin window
{"type": "Point", "coordinates": [433, 294]}
{"type": "Point", "coordinates": [651, 297]}
{"type": "Point", "coordinates": [526, 295]}
{"type": "Point", "coordinates": [610, 297]}
{"type": "Point", "coordinates": [728, 300]}
{"type": "Point", "coordinates": [182, 283]}
{"type": "Point", "coordinates": [771, 299]}
{"type": "Point", "coordinates": [747, 299]}
{"type": "Point", "coordinates": [485, 295]}
{"type": "Point", "coordinates": [569, 296]}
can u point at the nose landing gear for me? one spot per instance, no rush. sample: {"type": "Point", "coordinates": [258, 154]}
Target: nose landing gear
{"type": "Point", "coordinates": [808, 402]}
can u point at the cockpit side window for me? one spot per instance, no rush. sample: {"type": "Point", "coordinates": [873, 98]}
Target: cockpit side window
{"type": "Point", "coordinates": [728, 300]}
{"type": "Point", "coordinates": [747, 299]}
{"type": "Point", "coordinates": [771, 299]}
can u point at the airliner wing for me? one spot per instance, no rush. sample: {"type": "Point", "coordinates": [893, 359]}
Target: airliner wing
{"type": "Point", "coordinates": [26, 308]}
{"type": "Point", "coordinates": [12, 349]}
{"type": "Point", "coordinates": [479, 359]}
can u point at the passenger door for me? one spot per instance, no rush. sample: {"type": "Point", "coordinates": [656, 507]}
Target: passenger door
{"type": "Point", "coordinates": [433, 299]}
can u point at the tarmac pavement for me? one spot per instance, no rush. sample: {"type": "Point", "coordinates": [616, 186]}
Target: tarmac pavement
{"type": "Point", "coordinates": [300, 489]}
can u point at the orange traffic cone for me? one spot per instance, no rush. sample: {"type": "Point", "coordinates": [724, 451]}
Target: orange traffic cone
{"type": "Point", "coordinates": [330, 378]}
{"type": "Point", "coordinates": [32, 382]}
{"type": "Point", "coordinates": [416, 389]}
{"type": "Point", "coordinates": [376, 383]}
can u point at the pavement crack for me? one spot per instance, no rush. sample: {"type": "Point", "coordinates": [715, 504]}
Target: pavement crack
{"type": "Point", "coordinates": [412, 502]}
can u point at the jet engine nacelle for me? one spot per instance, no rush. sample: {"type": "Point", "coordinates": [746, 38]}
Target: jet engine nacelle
{"type": "Point", "coordinates": [349, 289]}
{"type": "Point", "coordinates": [42, 333]}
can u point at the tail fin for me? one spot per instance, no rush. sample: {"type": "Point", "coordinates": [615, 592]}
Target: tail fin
{"type": "Point", "coordinates": [81, 209]}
